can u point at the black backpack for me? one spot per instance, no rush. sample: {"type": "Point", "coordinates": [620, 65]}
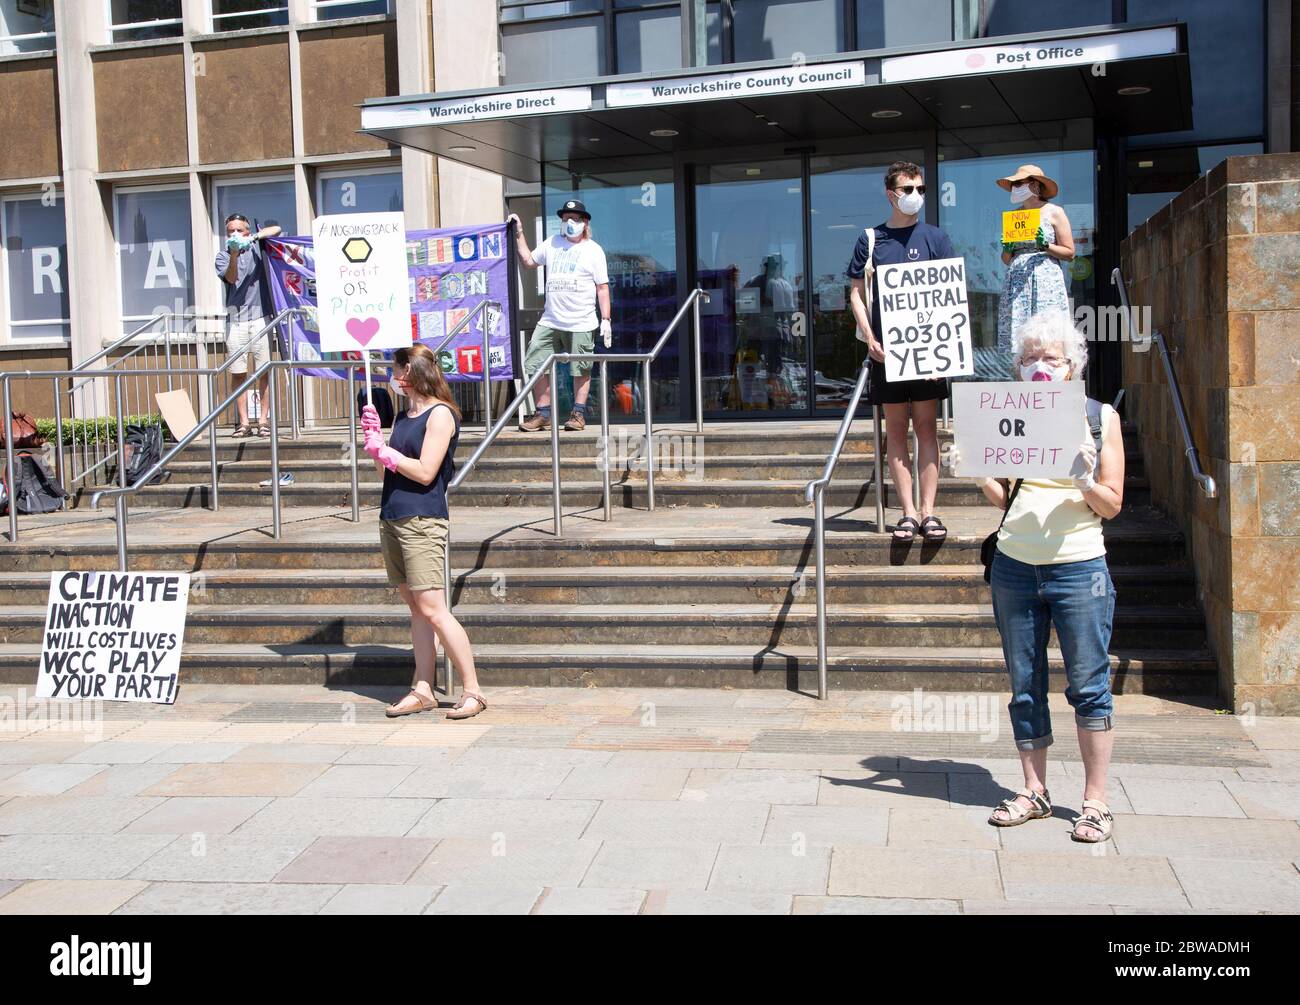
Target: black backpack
{"type": "Point", "coordinates": [37, 490]}
{"type": "Point", "coordinates": [143, 450]}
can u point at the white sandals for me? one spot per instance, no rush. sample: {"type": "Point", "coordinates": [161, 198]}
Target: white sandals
{"type": "Point", "coordinates": [1017, 814]}
{"type": "Point", "coordinates": [1102, 825]}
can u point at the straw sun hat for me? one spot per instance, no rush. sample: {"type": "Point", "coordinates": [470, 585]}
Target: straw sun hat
{"type": "Point", "coordinates": [1026, 172]}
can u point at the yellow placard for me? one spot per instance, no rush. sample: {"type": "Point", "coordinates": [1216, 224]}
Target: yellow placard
{"type": "Point", "coordinates": [1021, 224]}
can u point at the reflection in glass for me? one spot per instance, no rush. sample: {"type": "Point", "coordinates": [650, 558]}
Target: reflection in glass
{"type": "Point", "coordinates": [749, 254]}
{"type": "Point", "coordinates": [363, 192]}
{"type": "Point", "coordinates": [265, 203]}
{"type": "Point", "coordinates": [153, 250]}
{"type": "Point", "coordinates": [36, 255]}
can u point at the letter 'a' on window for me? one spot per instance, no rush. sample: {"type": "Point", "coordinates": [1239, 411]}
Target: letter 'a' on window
{"type": "Point", "coordinates": [33, 235]}
{"type": "Point", "coordinates": [359, 190]}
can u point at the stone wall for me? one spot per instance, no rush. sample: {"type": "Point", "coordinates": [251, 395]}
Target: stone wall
{"type": "Point", "coordinates": [1220, 269]}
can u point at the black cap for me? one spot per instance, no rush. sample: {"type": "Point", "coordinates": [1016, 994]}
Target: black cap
{"type": "Point", "coordinates": [573, 206]}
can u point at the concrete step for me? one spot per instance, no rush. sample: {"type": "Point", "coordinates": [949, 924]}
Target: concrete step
{"type": "Point", "coordinates": [579, 494]}
{"type": "Point", "coordinates": [957, 584]}
{"type": "Point", "coordinates": [1136, 671]}
{"type": "Point", "coordinates": [618, 624]}
{"type": "Point", "coordinates": [491, 538]}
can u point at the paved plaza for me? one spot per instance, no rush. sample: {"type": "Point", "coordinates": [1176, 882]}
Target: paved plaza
{"type": "Point", "coordinates": [298, 799]}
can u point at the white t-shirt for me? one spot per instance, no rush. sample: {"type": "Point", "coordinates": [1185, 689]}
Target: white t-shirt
{"type": "Point", "coordinates": [573, 271]}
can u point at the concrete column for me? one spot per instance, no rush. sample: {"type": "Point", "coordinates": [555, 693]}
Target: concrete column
{"type": "Point", "coordinates": [94, 292]}
{"type": "Point", "coordinates": [415, 76]}
{"type": "Point", "coordinates": [466, 53]}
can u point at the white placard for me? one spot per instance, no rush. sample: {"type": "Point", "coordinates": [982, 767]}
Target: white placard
{"type": "Point", "coordinates": [1019, 429]}
{"type": "Point", "coordinates": [744, 84]}
{"type": "Point", "coordinates": [489, 106]}
{"type": "Point", "coordinates": [1030, 56]}
{"type": "Point", "coordinates": [113, 636]}
{"type": "Point", "coordinates": [363, 298]}
{"type": "Point", "coordinates": [924, 319]}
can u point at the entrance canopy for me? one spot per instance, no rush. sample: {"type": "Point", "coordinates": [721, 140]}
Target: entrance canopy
{"type": "Point", "coordinates": [1131, 79]}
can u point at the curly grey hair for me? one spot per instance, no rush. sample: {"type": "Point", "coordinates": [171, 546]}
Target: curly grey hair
{"type": "Point", "coordinates": [1050, 328]}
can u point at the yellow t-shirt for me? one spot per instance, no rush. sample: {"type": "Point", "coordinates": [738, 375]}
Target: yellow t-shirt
{"type": "Point", "coordinates": [1050, 523]}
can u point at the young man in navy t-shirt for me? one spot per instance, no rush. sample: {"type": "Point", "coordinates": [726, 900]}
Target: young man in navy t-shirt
{"type": "Point", "coordinates": [903, 238]}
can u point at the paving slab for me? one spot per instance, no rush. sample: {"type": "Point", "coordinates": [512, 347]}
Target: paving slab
{"type": "Point", "coordinates": [198, 753]}
{"type": "Point", "coordinates": [1271, 800]}
{"type": "Point", "coordinates": [357, 780]}
{"type": "Point", "coordinates": [665, 823]}
{"type": "Point", "coordinates": [351, 860]}
{"type": "Point", "coordinates": [372, 898]}
{"type": "Point", "coordinates": [1029, 907]}
{"type": "Point", "coordinates": [290, 753]}
{"type": "Point", "coordinates": [122, 779]}
{"type": "Point", "coordinates": [750, 785]}
{"type": "Point", "coordinates": [337, 817]}
{"type": "Point", "coordinates": [620, 865]}
{"type": "Point", "coordinates": [461, 899]}
{"type": "Point", "coordinates": [222, 858]}
{"type": "Point", "coordinates": [43, 856]}
{"type": "Point", "coordinates": [476, 781]}
{"type": "Point", "coordinates": [939, 827]}
{"type": "Point", "coordinates": [67, 814]}
{"type": "Point", "coordinates": [1127, 880]}
{"type": "Point", "coordinates": [70, 896]}
{"type": "Point", "coordinates": [824, 826]}
{"type": "Point", "coordinates": [771, 869]}
{"type": "Point", "coordinates": [46, 779]}
{"type": "Point", "coordinates": [883, 789]}
{"type": "Point", "coordinates": [621, 781]}
{"type": "Point", "coordinates": [197, 815]}
{"type": "Point", "coordinates": [1209, 837]}
{"type": "Point", "coordinates": [1181, 798]}
{"type": "Point", "coordinates": [714, 902]}
{"type": "Point", "coordinates": [927, 874]}
{"type": "Point", "coordinates": [874, 905]}
{"type": "Point", "coordinates": [230, 898]}
{"type": "Point", "coordinates": [1239, 886]}
{"type": "Point", "coordinates": [539, 819]}
{"type": "Point", "coordinates": [590, 900]}
{"type": "Point", "coordinates": [476, 862]}
{"type": "Point", "coordinates": [242, 779]}
{"type": "Point", "coordinates": [116, 752]}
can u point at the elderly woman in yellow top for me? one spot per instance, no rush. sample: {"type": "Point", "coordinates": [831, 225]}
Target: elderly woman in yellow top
{"type": "Point", "coordinates": [1050, 569]}
{"type": "Point", "coordinates": [1035, 281]}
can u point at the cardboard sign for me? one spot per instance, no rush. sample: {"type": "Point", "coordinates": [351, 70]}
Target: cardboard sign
{"type": "Point", "coordinates": [925, 320]}
{"type": "Point", "coordinates": [362, 293]}
{"type": "Point", "coordinates": [177, 411]}
{"type": "Point", "coordinates": [113, 636]}
{"type": "Point", "coordinates": [1019, 429]}
{"type": "Point", "coordinates": [1021, 224]}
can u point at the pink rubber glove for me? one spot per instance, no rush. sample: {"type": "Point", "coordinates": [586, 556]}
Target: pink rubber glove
{"type": "Point", "coordinates": [370, 419]}
{"type": "Point", "coordinates": [373, 442]}
{"type": "Point", "coordinates": [388, 457]}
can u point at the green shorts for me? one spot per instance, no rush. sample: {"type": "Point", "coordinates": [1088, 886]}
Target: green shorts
{"type": "Point", "coordinates": [413, 551]}
{"type": "Point", "coordinates": [547, 340]}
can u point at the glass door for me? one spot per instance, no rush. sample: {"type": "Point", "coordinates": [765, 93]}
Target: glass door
{"type": "Point", "coordinates": [749, 254]}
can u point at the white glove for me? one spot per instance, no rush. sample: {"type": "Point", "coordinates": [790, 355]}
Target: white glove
{"type": "Point", "coordinates": [1085, 480]}
{"type": "Point", "coordinates": [607, 333]}
{"type": "Point", "coordinates": [954, 462]}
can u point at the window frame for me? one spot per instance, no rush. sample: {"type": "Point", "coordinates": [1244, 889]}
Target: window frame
{"type": "Point", "coordinates": [325, 173]}
{"type": "Point", "coordinates": [221, 181]}
{"type": "Point", "coordinates": [114, 28]}
{"type": "Point", "coordinates": [214, 19]}
{"type": "Point", "coordinates": [117, 246]}
{"type": "Point", "coordinates": [7, 39]}
{"type": "Point", "coordinates": [316, 5]}
{"type": "Point", "coordinates": [7, 323]}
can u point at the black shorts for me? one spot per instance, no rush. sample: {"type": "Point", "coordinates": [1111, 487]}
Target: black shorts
{"type": "Point", "coordinates": [900, 392]}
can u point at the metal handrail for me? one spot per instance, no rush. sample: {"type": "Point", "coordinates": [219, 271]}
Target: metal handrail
{"type": "Point", "coordinates": [169, 315]}
{"type": "Point", "coordinates": [1208, 485]}
{"type": "Point", "coordinates": [815, 493]}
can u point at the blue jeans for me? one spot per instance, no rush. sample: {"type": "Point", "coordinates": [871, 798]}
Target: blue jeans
{"type": "Point", "coordinates": [1079, 599]}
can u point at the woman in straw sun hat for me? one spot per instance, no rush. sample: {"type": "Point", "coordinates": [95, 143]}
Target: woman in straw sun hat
{"type": "Point", "coordinates": [1035, 281]}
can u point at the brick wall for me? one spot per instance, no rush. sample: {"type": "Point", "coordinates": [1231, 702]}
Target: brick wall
{"type": "Point", "coordinates": [1220, 269]}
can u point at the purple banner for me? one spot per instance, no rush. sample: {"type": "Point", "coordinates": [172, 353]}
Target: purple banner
{"type": "Point", "coordinates": [450, 272]}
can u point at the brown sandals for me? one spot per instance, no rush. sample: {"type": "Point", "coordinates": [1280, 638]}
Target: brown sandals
{"type": "Point", "coordinates": [461, 711]}
{"type": "Point", "coordinates": [423, 705]}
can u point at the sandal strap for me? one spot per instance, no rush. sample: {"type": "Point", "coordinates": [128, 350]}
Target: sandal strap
{"type": "Point", "coordinates": [1099, 806]}
{"type": "Point", "coordinates": [467, 696]}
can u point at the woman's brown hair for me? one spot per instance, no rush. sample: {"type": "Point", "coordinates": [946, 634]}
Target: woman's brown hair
{"type": "Point", "coordinates": [424, 375]}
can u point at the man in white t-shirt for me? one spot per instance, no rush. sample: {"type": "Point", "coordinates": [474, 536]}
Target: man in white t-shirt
{"type": "Point", "coordinates": [577, 282]}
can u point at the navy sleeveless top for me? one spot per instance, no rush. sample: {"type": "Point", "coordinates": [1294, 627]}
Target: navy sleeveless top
{"type": "Point", "coordinates": [403, 497]}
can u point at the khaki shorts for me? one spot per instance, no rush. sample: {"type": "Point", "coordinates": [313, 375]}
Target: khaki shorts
{"type": "Point", "coordinates": [413, 551]}
{"type": "Point", "coordinates": [240, 343]}
{"type": "Point", "coordinates": [548, 340]}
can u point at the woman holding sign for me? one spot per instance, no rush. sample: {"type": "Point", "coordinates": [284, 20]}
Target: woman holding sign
{"type": "Point", "coordinates": [1035, 282]}
{"type": "Point", "coordinates": [904, 238]}
{"type": "Point", "coordinates": [418, 463]}
{"type": "Point", "coordinates": [1049, 570]}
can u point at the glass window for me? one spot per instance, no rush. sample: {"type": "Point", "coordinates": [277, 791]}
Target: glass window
{"type": "Point", "coordinates": [777, 29]}
{"type": "Point", "coordinates": [359, 192]}
{"type": "Point", "coordinates": [548, 51]}
{"type": "Point", "coordinates": [153, 252]}
{"type": "Point", "coordinates": [1225, 44]}
{"type": "Point", "coordinates": [888, 23]}
{"type": "Point", "coordinates": [266, 203]}
{"type": "Point", "coordinates": [238, 15]}
{"type": "Point", "coordinates": [970, 210]}
{"type": "Point", "coordinates": [513, 10]}
{"type": "Point", "coordinates": [633, 221]}
{"type": "Point", "coordinates": [332, 10]}
{"type": "Point", "coordinates": [36, 267]}
{"type": "Point", "coordinates": [1155, 176]}
{"type": "Point", "coordinates": [136, 20]}
{"type": "Point", "coordinates": [26, 26]}
{"type": "Point", "coordinates": [651, 40]}
{"type": "Point", "coordinates": [1017, 17]}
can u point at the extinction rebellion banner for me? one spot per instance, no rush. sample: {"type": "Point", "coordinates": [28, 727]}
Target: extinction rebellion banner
{"type": "Point", "coordinates": [449, 273]}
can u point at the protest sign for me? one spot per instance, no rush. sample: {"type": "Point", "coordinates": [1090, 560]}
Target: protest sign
{"type": "Point", "coordinates": [924, 319]}
{"type": "Point", "coordinates": [1019, 429]}
{"type": "Point", "coordinates": [113, 636]}
{"type": "Point", "coordinates": [1021, 225]}
{"type": "Point", "coordinates": [361, 281]}
{"type": "Point", "coordinates": [448, 273]}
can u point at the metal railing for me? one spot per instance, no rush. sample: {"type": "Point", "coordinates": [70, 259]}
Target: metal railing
{"type": "Point", "coordinates": [1207, 483]}
{"type": "Point", "coordinates": [815, 493]}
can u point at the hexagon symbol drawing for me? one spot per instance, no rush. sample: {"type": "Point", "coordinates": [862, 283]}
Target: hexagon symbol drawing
{"type": "Point", "coordinates": [357, 250]}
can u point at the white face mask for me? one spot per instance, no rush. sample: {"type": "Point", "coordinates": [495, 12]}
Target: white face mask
{"type": "Point", "coordinates": [396, 388]}
{"type": "Point", "coordinates": [574, 228]}
{"type": "Point", "coordinates": [1042, 370]}
{"type": "Point", "coordinates": [912, 204]}
{"type": "Point", "coordinates": [1021, 193]}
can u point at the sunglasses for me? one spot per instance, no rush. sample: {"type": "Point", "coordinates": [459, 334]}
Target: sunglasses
{"type": "Point", "coordinates": [909, 189]}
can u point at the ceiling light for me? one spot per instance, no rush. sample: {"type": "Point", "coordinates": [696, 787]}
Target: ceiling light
{"type": "Point", "coordinates": [663, 133]}
{"type": "Point", "coordinates": [593, 139]}
{"type": "Point", "coordinates": [967, 108]}
{"type": "Point", "coordinates": [1130, 92]}
{"type": "Point", "coordinates": [886, 113]}
{"type": "Point", "coordinates": [462, 149]}
{"type": "Point", "coordinates": [1146, 164]}
{"type": "Point", "coordinates": [752, 172]}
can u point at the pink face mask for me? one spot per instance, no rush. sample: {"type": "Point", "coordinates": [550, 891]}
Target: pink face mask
{"type": "Point", "coordinates": [1041, 370]}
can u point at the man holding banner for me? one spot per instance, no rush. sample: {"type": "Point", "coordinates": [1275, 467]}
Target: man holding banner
{"type": "Point", "coordinates": [903, 239]}
{"type": "Point", "coordinates": [248, 312]}
{"type": "Point", "coordinates": [577, 279]}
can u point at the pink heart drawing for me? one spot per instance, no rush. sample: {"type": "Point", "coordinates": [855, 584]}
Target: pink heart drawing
{"type": "Point", "coordinates": [363, 330]}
